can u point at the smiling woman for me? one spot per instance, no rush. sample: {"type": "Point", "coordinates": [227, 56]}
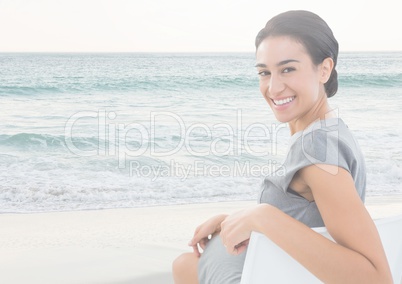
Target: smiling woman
{"type": "Point", "coordinates": [287, 84]}
{"type": "Point", "coordinates": [325, 175]}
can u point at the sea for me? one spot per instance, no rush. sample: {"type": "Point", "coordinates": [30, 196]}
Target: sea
{"type": "Point", "coordinates": [85, 131]}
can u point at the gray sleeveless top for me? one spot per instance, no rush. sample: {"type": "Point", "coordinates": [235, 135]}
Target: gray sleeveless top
{"type": "Point", "coordinates": [324, 142]}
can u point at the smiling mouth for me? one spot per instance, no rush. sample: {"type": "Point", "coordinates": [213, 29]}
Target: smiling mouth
{"type": "Point", "coordinates": [284, 101]}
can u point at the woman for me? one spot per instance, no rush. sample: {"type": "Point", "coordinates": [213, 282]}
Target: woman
{"type": "Point", "coordinates": [324, 181]}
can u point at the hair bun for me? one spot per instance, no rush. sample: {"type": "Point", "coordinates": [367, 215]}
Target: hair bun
{"type": "Point", "coordinates": [331, 87]}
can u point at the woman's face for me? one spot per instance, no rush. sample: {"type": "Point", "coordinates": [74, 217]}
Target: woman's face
{"type": "Point", "coordinates": [289, 81]}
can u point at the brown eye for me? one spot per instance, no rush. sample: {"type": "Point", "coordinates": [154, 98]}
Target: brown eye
{"type": "Point", "coordinates": [264, 73]}
{"type": "Point", "coordinates": [288, 70]}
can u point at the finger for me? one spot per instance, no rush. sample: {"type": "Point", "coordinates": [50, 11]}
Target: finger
{"type": "Point", "coordinates": [198, 235]}
{"type": "Point", "coordinates": [197, 230]}
{"type": "Point", "coordinates": [203, 243]}
{"type": "Point", "coordinates": [192, 242]}
{"type": "Point", "coordinates": [246, 242]}
{"type": "Point", "coordinates": [196, 250]}
{"type": "Point", "coordinates": [196, 239]}
{"type": "Point", "coordinates": [231, 247]}
{"type": "Point", "coordinates": [240, 249]}
{"type": "Point", "coordinates": [234, 250]}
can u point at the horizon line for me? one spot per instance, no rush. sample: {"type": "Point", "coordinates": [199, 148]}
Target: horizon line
{"type": "Point", "coordinates": [178, 52]}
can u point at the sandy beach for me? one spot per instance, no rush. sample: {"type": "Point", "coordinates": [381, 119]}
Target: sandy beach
{"type": "Point", "coordinates": [135, 245]}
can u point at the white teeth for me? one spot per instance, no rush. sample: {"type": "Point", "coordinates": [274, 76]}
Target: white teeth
{"type": "Point", "coordinates": [284, 101]}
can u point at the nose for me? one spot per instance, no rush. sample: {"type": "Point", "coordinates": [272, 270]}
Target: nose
{"type": "Point", "coordinates": [276, 86]}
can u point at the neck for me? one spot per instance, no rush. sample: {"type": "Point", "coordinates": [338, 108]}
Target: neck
{"type": "Point", "coordinates": [320, 111]}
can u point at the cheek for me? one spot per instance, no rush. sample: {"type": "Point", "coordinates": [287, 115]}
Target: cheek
{"type": "Point", "coordinates": [262, 89]}
{"type": "Point", "coordinates": [306, 87]}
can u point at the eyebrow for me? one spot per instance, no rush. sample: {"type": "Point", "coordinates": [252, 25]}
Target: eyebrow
{"type": "Point", "coordinates": [262, 65]}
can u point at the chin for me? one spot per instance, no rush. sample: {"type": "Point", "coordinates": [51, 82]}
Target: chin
{"type": "Point", "coordinates": [282, 119]}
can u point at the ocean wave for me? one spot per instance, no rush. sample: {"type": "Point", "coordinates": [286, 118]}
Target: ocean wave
{"type": "Point", "coordinates": [370, 80]}
{"type": "Point", "coordinates": [106, 85]}
{"type": "Point", "coordinates": [40, 187]}
{"type": "Point", "coordinates": [29, 90]}
{"type": "Point", "coordinates": [102, 194]}
{"type": "Point", "coordinates": [180, 84]}
{"type": "Point", "coordinates": [45, 142]}
{"type": "Point", "coordinates": [23, 140]}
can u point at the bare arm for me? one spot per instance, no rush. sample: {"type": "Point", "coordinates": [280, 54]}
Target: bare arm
{"type": "Point", "coordinates": [356, 257]}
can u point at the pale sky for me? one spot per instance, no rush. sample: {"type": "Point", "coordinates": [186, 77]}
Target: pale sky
{"type": "Point", "coordinates": [184, 25]}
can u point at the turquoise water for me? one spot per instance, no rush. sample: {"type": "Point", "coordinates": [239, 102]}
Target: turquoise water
{"type": "Point", "coordinates": [88, 131]}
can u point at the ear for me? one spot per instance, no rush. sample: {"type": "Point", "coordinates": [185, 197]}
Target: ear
{"type": "Point", "coordinates": [326, 69]}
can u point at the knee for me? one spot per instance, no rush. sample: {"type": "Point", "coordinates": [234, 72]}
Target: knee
{"type": "Point", "coordinates": [185, 267]}
{"type": "Point", "coordinates": [181, 263]}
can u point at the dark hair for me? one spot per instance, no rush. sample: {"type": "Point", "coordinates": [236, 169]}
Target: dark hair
{"type": "Point", "coordinates": [312, 32]}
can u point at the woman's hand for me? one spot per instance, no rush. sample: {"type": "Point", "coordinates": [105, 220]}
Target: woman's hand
{"type": "Point", "coordinates": [236, 229]}
{"type": "Point", "coordinates": [203, 233]}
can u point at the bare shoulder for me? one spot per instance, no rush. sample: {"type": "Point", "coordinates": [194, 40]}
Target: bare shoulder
{"type": "Point", "coordinates": [334, 192]}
